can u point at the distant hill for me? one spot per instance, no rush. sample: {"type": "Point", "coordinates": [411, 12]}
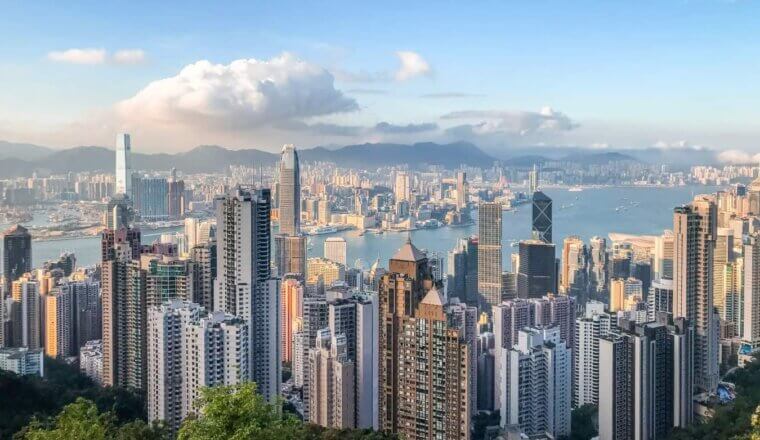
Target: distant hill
{"type": "Point", "coordinates": [22, 151]}
{"type": "Point", "coordinates": [212, 158]}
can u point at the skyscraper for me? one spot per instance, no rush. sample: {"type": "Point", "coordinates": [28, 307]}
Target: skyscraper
{"type": "Point", "coordinates": [123, 164]}
{"type": "Point", "coordinates": [588, 329]}
{"type": "Point", "coordinates": [751, 331]}
{"type": "Point", "coordinates": [335, 249]}
{"type": "Point", "coordinates": [489, 253]}
{"type": "Point", "coordinates": [539, 376]}
{"type": "Point", "coordinates": [332, 382]}
{"type": "Point", "coordinates": [290, 254]}
{"type": "Point", "coordinates": [542, 217]}
{"type": "Point", "coordinates": [292, 292]}
{"type": "Point", "coordinates": [25, 313]}
{"type": "Point", "coordinates": [17, 254]}
{"type": "Point", "coordinates": [598, 266]}
{"type": "Point", "coordinates": [290, 191]}
{"type": "Point", "coordinates": [536, 275]}
{"type": "Point", "coordinates": [694, 229]}
{"type": "Point", "coordinates": [645, 380]}
{"type": "Point", "coordinates": [187, 350]}
{"type": "Point", "coordinates": [573, 278]}
{"type": "Point", "coordinates": [402, 187]}
{"type": "Point", "coordinates": [461, 190]}
{"type": "Point", "coordinates": [244, 286]}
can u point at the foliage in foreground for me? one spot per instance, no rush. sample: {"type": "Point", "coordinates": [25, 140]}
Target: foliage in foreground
{"type": "Point", "coordinates": [739, 420]}
{"type": "Point", "coordinates": [25, 397]}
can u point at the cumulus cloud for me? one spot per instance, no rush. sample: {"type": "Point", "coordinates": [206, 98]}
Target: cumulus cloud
{"type": "Point", "coordinates": [129, 56]}
{"type": "Point", "coordinates": [245, 94]}
{"type": "Point", "coordinates": [678, 145]}
{"type": "Point", "coordinates": [412, 66]}
{"type": "Point", "coordinates": [738, 157]}
{"type": "Point", "coordinates": [78, 56]}
{"type": "Point", "coordinates": [381, 128]}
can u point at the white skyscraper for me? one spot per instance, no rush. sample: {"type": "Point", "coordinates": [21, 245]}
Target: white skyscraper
{"type": "Point", "coordinates": [244, 286]}
{"type": "Point", "coordinates": [751, 330]}
{"type": "Point", "coordinates": [588, 329]}
{"type": "Point", "coordinates": [188, 350]}
{"type": "Point", "coordinates": [335, 249]}
{"type": "Point", "coordinates": [123, 164]}
{"type": "Point", "coordinates": [539, 378]}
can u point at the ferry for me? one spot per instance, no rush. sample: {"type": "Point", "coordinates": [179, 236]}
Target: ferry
{"type": "Point", "coordinates": [322, 230]}
{"type": "Point", "coordinates": [575, 188]}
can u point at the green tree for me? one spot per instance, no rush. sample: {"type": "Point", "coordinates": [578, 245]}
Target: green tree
{"type": "Point", "coordinates": [81, 420]}
{"type": "Point", "coordinates": [238, 412]}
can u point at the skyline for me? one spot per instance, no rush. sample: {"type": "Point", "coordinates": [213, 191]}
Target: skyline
{"type": "Point", "coordinates": [501, 75]}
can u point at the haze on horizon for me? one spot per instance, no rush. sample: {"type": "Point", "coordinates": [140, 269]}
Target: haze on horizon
{"type": "Point", "coordinates": [672, 74]}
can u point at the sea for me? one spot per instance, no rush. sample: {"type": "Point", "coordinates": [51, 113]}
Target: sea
{"type": "Point", "coordinates": [587, 213]}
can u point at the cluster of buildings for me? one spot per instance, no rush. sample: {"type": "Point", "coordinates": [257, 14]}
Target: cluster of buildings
{"type": "Point", "coordinates": [637, 326]}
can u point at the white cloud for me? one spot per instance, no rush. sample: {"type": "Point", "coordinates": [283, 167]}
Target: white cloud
{"type": "Point", "coordinates": [244, 94]}
{"type": "Point", "coordinates": [412, 65]}
{"type": "Point", "coordinates": [519, 123]}
{"type": "Point", "coordinates": [78, 56]}
{"type": "Point", "coordinates": [738, 157]}
{"type": "Point", "coordinates": [129, 56]}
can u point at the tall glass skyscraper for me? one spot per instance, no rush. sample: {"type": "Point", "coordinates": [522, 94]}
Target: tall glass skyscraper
{"type": "Point", "coordinates": [489, 253]}
{"type": "Point", "coordinates": [123, 164]}
{"type": "Point", "coordinates": [290, 192]}
{"type": "Point", "coordinates": [542, 217]}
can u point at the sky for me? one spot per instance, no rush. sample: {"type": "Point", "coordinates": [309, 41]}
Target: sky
{"type": "Point", "coordinates": [666, 74]}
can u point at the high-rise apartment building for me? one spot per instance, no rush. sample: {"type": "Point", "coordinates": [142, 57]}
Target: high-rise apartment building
{"type": "Point", "coordinates": [489, 253]}
{"type": "Point", "coordinates": [751, 330]}
{"type": "Point", "coordinates": [694, 229]}
{"type": "Point", "coordinates": [332, 390]}
{"type": "Point", "coordinates": [594, 324]}
{"type": "Point", "coordinates": [289, 194]}
{"type": "Point", "coordinates": [244, 286]}
{"type": "Point", "coordinates": [403, 186]}
{"type": "Point", "coordinates": [330, 271]}
{"type": "Point", "coordinates": [187, 350]}
{"type": "Point", "coordinates": [645, 381]}
{"type": "Point", "coordinates": [663, 256]}
{"type": "Point", "coordinates": [25, 310]}
{"type": "Point", "coordinates": [539, 391]}
{"type": "Point", "coordinates": [336, 249]}
{"type": "Point", "coordinates": [123, 164]}
{"type": "Point", "coordinates": [542, 217]}
{"type": "Point", "coordinates": [292, 292]}
{"type": "Point", "coordinates": [203, 259]}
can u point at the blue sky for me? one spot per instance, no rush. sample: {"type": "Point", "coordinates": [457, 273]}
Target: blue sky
{"type": "Point", "coordinates": [502, 74]}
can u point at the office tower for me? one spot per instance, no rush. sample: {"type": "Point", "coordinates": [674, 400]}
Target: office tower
{"type": "Point", "coordinates": [324, 212]}
{"type": "Point", "coordinates": [485, 381]}
{"type": "Point", "coordinates": [588, 329]}
{"type": "Point", "coordinates": [60, 323]}
{"type": "Point", "coordinates": [536, 275]}
{"type": "Point", "coordinates": [597, 271]}
{"type": "Point", "coordinates": [124, 304]}
{"type": "Point", "coordinates": [119, 212]}
{"type": "Point", "coordinates": [330, 271]}
{"type": "Point", "coordinates": [167, 278]}
{"type": "Point", "coordinates": [17, 254]}
{"type": "Point", "coordinates": [660, 299]}
{"type": "Point", "coordinates": [489, 253]}
{"type": "Point", "coordinates": [465, 318]}
{"type": "Point", "coordinates": [751, 328]}
{"type": "Point", "coordinates": [402, 187]}
{"type": "Point", "coordinates": [573, 280]}
{"type": "Point", "coordinates": [335, 249]}
{"type": "Point", "coordinates": [694, 229]}
{"type": "Point", "coordinates": [539, 393]}
{"type": "Point", "coordinates": [645, 381]}
{"type": "Point", "coordinates": [23, 360]}
{"type": "Point", "coordinates": [642, 271]}
{"type": "Point", "coordinates": [470, 245]}
{"type": "Point", "coordinates": [542, 217]}
{"type": "Point", "coordinates": [623, 289]}
{"type": "Point", "coordinates": [244, 286]}
{"type": "Point", "coordinates": [150, 196]}
{"type": "Point", "coordinates": [123, 165]}
{"type": "Point", "coordinates": [91, 360]}
{"type": "Point", "coordinates": [533, 179]}
{"type": "Point", "coordinates": [175, 197]}
{"type": "Point", "coordinates": [289, 193]}
{"type": "Point", "coordinates": [291, 289]}
{"type": "Point", "coordinates": [722, 257]}
{"type": "Point", "coordinates": [456, 273]}
{"type": "Point", "coordinates": [203, 259]}
{"type": "Point", "coordinates": [461, 200]}
{"type": "Point", "coordinates": [663, 256]}
{"type": "Point", "coordinates": [25, 313]}
{"type": "Point", "coordinates": [508, 286]}
{"type": "Point", "coordinates": [188, 350]}
{"type": "Point", "coordinates": [331, 383]}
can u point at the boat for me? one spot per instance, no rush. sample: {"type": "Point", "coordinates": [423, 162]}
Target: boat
{"type": "Point", "coordinates": [575, 188]}
{"type": "Point", "coordinates": [322, 230]}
